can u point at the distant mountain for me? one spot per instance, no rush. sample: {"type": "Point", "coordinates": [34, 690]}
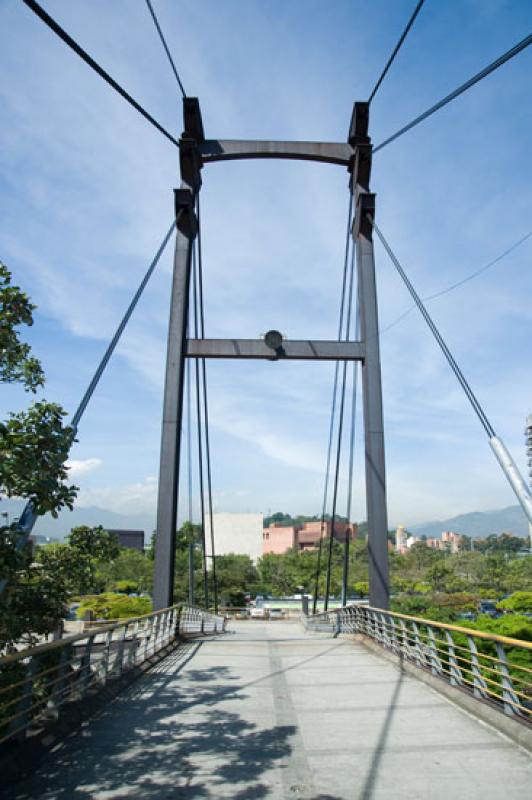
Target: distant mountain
{"type": "Point", "coordinates": [91, 515]}
{"type": "Point", "coordinates": [477, 524]}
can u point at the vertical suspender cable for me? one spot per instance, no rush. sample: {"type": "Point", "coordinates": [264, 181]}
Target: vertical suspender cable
{"type": "Point", "coordinates": [340, 432]}
{"type": "Point", "coordinates": [206, 414]}
{"type": "Point", "coordinates": [200, 435]}
{"type": "Point", "coordinates": [333, 406]}
{"type": "Point", "coordinates": [345, 577]}
{"type": "Point", "coordinates": [191, 543]}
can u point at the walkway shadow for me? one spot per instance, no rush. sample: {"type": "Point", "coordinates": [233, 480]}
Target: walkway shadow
{"type": "Point", "coordinates": [152, 743]}
{"type": "Point", "coordinates": [373, 773]}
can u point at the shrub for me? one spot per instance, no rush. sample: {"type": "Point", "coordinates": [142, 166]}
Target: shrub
{"type": "Point", "coordinates": [114, 606]}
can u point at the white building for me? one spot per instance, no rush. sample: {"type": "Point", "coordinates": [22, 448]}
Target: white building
{"type": "Point", "coordinates": [235, 533]}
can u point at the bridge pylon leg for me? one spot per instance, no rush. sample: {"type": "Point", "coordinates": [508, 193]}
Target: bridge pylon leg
{"type": "Point", "coordinates": [163, 588]}
{"type": "Point", "coordinates": [379, 591]}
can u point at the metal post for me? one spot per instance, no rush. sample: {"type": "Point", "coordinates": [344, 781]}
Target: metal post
{"type": "Point", "coordinates": [163, 587]}
{"type": "Point", "coordinates": [371, 370]}
{"type": "Point", "coordinates": [186, 230]}
{"type": "Point", "coordinates": [191, 586]}
{"type": "Point", "coordinates": [345, 574]}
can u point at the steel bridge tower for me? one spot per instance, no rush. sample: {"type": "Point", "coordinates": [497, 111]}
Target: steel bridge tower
{"type": "Point", "coordinates": [355, 156]}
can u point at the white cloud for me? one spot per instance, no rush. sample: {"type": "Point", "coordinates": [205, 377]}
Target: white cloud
{"type": "Point", "coordinates": [130, 498]}
{"type": "Point", "coordinates": [82, 467]}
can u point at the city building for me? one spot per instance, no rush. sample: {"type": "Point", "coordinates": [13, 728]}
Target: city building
{"type": "Point", "coordinates": [401, 537]}
{"type": "Point", "coordinates": [278, 539]}
{"type": "Point", "coordinates": [235, 533]}
{"type": "Point", "coordinates": [132, 540]}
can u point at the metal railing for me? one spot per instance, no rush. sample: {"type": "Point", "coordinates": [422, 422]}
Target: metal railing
{"type": "Point", "coordinates": [35, 683]}
{"type": "Point", "coordinates": [494, 669]}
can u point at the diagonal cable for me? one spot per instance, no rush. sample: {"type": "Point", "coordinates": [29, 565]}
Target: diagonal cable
{"type": "Point", "coordinates": [29, 517]}
{"type": "Point", "coordinates": [68, 40]}
{"type": "Point", "coordinates": [395, 50]}
{"type": "Point", "coordinates": [479, 411]}
{"type": "Point", "coordinates": [461, 282]}
{"type": "Point", "coordinates": [460, 90]}
{"type": "Point", "coordinates": [167, 51]}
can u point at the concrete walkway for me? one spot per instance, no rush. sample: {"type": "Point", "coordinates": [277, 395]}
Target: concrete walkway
{"type": "Point", "coordinates": [269, 711]}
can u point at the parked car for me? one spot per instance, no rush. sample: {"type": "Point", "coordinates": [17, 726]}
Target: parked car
{"type": "Point", "coordinates": [242, 613]}
{"type": "Point", "coordinates": [276, 613]}
{"type": "Point", "coordinates": [259, 613]}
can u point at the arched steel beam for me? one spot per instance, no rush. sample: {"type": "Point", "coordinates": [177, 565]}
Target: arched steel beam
{"type": "Point", "coordinates": [233, 149]}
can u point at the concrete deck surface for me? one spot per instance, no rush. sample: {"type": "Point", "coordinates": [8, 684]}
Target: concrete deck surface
{"type": "Point", "coordinates": [269, 711]}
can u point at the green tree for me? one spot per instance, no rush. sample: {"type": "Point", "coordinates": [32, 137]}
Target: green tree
{"type": "Point", "coordinates": [34, 446]}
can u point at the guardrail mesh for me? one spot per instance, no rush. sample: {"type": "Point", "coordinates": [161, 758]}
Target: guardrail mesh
{"type": "Point", "coordinates": [35, 683]}
{"type": "Point", "coordinates": [492, 668]}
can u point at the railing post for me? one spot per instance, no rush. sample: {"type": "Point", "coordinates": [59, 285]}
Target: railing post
{"type": "Point", "coordinates": [104, 667]}
{"type": "Point", "coordinates": [418, 653]}
{"type": "Point", "coordinates": [435, 661]}
{"type": "Point", "coordinates": [455, 676]}
{"type": "Point", "coordinates": [62, 679]}
{"type": "Point", "coordinates": [85, 665]}
{"type": "Point", "coordinates": [479, 684]}
{"type": "Point", "coordinates": [24, 705]}
{"type": "Point", "coordinates": [510, 699]}
{"type": "Point", "coordinates": [118, 665]}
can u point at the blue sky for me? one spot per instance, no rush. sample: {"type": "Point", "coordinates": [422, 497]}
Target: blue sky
{"type": "Point", "coordinates": [86, 194]}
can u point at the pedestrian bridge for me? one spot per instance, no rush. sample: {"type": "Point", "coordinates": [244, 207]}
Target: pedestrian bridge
{"type": "Point", "coordinates": [267, 709]}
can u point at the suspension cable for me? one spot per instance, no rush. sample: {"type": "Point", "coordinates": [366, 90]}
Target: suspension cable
{"type": "Point", "coordinates": [340, 433]}
{"type": "Point", "coordinates": [333, 403]}
{"type": "Point", "coordinates": [116, 338]}
{"type": "Point", "coordinates": [206, 412]}
{"type": "Point", "coordinates": [461, 282]}
{"type": "Point", "coordinates": [199, 427]}
{"type": "Point", "coordinates": [68, 40]}
{"type": "Point", "coordinates": [191, 543]}
{"type": "Point", "coordinates": [28, 517]}
{"type": "Point", "coordinates": [460, 90]}
{"type": "Point", "coordinates": [345, 577]}
{"type": "Point", "coordinates": [167, 51]}
{"type": "Point", "coordinates": [477, 408]}
{"type": "Point", "coordinates": [395, 50]}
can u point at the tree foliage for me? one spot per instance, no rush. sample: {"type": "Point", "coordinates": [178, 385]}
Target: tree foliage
{"type": "Point", "coordinates": [17, 365]}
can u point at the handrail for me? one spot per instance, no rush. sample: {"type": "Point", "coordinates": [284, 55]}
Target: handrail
{"type": "Point", "coordinates": [39, 649]}
{"type": "Point", "coordinates": [494, 637]}
{"type": "Point", "coordinates": [36, 682]}
{"type": "Point", "coordinates": [482, 666]}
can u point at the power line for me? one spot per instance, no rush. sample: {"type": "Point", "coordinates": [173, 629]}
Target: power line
{"type": "Point", "coordinates": [163, 40]}
{"type": "Point", "coordinates": [461, 282]}
{"type": "Point", "coordinates": [395, 50]}
{"type": "Point", "coordinates": [457, 92]}
{"type": "Point", "coordinates": [477, 408]}
{"type": "Point", "coordinates": [68, 40]}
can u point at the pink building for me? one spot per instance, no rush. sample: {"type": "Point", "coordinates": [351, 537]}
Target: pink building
{"type": "Point", "coordinates": [277, 539]}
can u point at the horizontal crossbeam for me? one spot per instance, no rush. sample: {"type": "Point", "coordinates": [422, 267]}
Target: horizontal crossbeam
{"type": "Point", "coordinates": [231, 149]}
{"type": "Point", "coordinates": [301, 350]}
